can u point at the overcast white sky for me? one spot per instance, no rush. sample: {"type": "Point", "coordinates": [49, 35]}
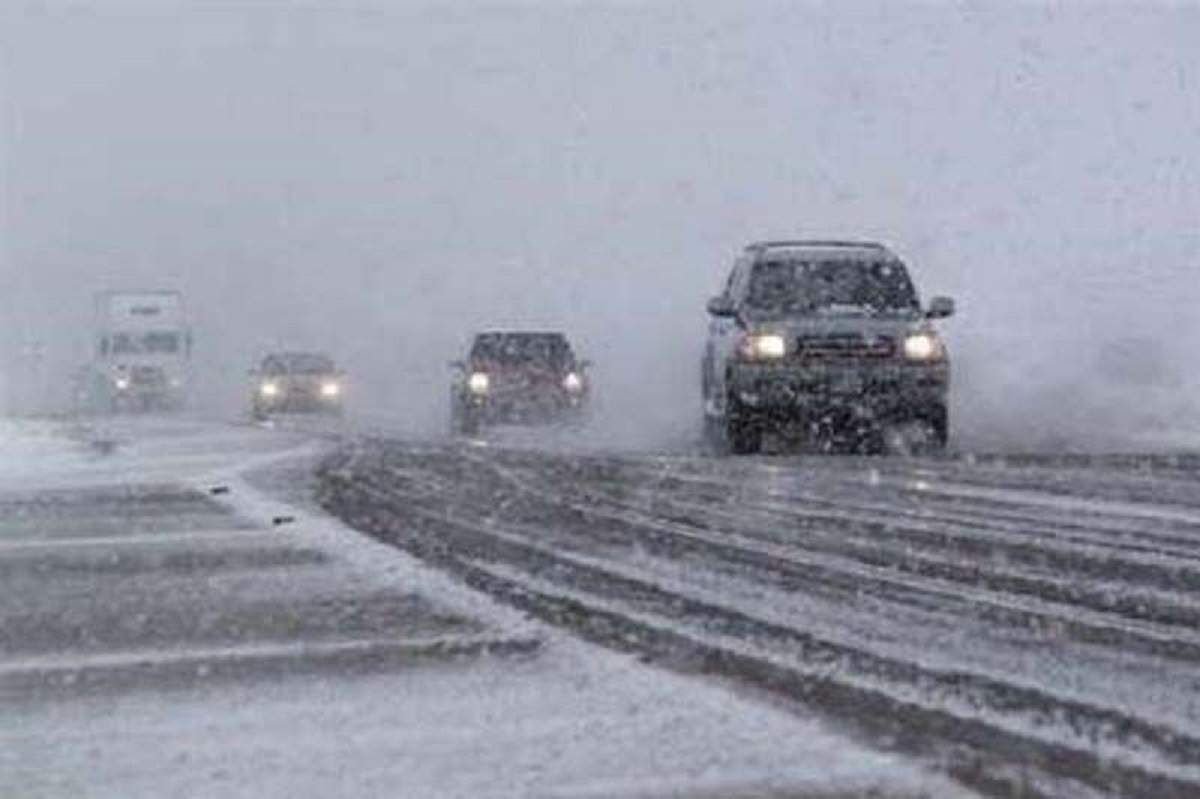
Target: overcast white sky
{"type": "Point", "coordinates": [379, 178]}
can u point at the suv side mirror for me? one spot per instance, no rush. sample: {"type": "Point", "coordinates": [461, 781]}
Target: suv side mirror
{"type": "Point", "coordinates": [459, 365]}
{"type": "Point", "coordinates": [940, 308]}
{"type": "Point", "coordinates": [585, 364]}
{"type": "Point", "coordinates": [721, 306]}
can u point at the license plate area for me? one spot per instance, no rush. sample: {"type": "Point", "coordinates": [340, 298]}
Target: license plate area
{"type": "Point", "coordinates": [843, 382]}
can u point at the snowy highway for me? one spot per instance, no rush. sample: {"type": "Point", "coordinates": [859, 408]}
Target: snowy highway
{"type": "Point", "coordinates": [180, 619]}
{"type": "Point", "coordinates": [492, 399]}
{"type": "Point", "coordinates": [1028, 623]}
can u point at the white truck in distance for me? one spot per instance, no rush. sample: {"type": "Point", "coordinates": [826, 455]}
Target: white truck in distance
{"type": "Point", "coordinates": [142, 352]}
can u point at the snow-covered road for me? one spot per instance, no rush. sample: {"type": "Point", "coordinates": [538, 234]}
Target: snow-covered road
{"type": "Point", "coordinates": [1031, 623]}
{"type": "Point", "coordinates": [179, 620]}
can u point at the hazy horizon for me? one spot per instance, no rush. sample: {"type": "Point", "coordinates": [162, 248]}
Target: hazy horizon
{"type": "Point", "coordinates": [379, 179]}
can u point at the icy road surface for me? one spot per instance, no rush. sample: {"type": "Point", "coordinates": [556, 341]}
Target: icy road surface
{"type": "Point", "coordinates": [176, 620]}
{"type": "Point", "coordinates": [1029, 623]}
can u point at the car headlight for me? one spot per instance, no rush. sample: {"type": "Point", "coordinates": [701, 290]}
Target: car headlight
{"type": "Point", "coordinates": [766, 347]}
{"type": "Point", "coordinates": [573, 383]}
{"type": "Point", "coordinates": [478, 383]}
{"type": "Point", "coordinates": [122, 383]}
{"type": "Point", "coordinates": [923, 346]}
{"type": "Point", "coordinates": [268, 389]}
{"type": "Point", "coordinates": [331, 389]}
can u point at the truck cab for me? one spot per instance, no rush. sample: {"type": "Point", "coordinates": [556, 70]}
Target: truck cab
{"type": "Point", "coordinates": [142, 352]}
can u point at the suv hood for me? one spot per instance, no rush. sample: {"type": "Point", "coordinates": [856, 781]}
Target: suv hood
{"type": "Point", "coordinates": [838, 325]}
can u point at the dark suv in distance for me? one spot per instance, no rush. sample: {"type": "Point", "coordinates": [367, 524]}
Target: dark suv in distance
{"type": "Point", "coordinates": [518, 377]}
{"type": "Point", "coordinates": [827, 342]}
{"type": "Point", "coordinates": [297, 382]}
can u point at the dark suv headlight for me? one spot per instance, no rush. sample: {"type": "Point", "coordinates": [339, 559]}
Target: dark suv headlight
{"type": "Point", "coordinates": [573, 383]}
{"type": "Point", "coordinates": [924, 347]}
{"type": "Point", "coordinates": [762, 347]}
{"type": "Point", "coordinates": [479, 383]}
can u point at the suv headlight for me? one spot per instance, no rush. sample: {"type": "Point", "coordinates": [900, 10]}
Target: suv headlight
{"type": "Point", "coordinates": [573, 383]}
{"type": "Point", "coordinates": [924, 346]}
{"type": "Point", "coordinates": [268, 389]}
{"type": "Point", "coordinates": [331, 389]}
{"type": "Point", "coordinates": [765, 347]}
{"type": "Point", "coordinates": [478, 383]}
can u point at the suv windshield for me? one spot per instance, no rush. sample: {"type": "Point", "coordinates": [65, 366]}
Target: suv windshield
{"type": "Point", "coordinates": [304, 364]}
{"type": "Point", "coordinates": [814, 286]}
{"type": "Point", "coordinates": [547, 349]}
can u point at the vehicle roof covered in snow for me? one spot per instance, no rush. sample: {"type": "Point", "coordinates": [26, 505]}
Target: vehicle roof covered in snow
{"type": "Point", "coordinates": [520, 334]}
{"type": "Point", "coordinates": [823, 248]}
{"type": "Point", "coordinates": [819, 243]}
{"type": "Point", "coordinates": [297, 361]}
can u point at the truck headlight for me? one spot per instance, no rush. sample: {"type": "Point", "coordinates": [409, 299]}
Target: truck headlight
{"type": "Point", "coordinates": [268, 389]}
{"type": "Point", "coordinates": [331, 389]}
{"type": "Point", "coordinates": [767, 347]}
{"type": "Point", "coordinates": [478, 383]}
{"type": "Point", "coordinates": [573, 383]}
{"type": "Point", "coordinates": [122, 383]}
{"type": "Point", "coordinates": [923, 346]}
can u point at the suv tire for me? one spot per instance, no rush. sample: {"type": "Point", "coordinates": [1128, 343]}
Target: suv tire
{"type": "Point", "coordinates": [743, 433]}
{"type": "Point", "coordinates": [466, 422]}
{"type": "Point", "coordinates": [939, 419]}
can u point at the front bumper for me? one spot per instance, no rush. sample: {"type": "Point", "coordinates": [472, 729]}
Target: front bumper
{"type": "Point", "coordinates": [889, 390]}
{"type": "Point", "coordinates": [523, 406]}
{"type": "Point", "coordinates": [143, 395]}
{"type": "Point", "coordinates": [298, 402]}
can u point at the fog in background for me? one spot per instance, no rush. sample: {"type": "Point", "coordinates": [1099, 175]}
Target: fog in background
{"type": "Point", "coordinates": [378, 179]}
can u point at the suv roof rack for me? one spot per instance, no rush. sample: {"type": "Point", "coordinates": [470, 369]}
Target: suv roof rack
{"type": "Point", "coordinates": [519, 331]}
{"type": "Point", "coordinates": [765, 245]}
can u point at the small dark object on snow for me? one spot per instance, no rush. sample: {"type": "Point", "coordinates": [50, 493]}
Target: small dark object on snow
{"type": "Point", "coordinates": [217, 491]}
{"type": "Point", "coordinates": [279, 521]}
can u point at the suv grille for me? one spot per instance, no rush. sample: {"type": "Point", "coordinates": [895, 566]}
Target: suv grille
{"type": "Point", "coordinates": [850, 346]}
{"type": "Point", "coordinates": [147, 376]}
